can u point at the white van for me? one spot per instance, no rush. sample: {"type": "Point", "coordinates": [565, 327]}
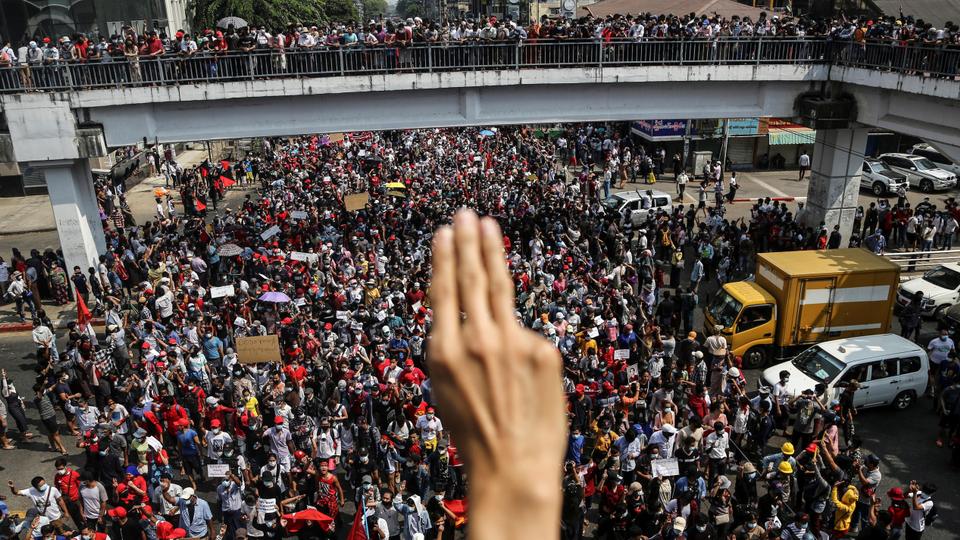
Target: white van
{"type": "Point", "coordinates": [891, 370]}
{"type": "Point", "coordinates": [637, 205]}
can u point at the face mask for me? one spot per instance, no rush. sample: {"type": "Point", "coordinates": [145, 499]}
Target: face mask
{"type": "Point", "coordinates": [268, 484]}
{"type": "Point", "coordinates": [943, 338]}
{"type": "Point", "coordinates": [429, 417]}
{"type": "Point", "coordinates": [701, 528]}
{"type": "Point", "coordinates": [751, 525]}
{"type": "Point", "coordinates": [668, 410]}
{"type": "Point", "coordinates": [216, 431]}
{"type": "Point", "coordinates": [364, 459]}
{"type": "Point", "coordinates": [226, 484]}
{"type": "Point", "coordinates": [439, 497]}
{"type": "Point", "coordinates": [785, 381]}
{"type": "Point", "coordinates": [272, 463]}
{"type": "Point", "coordinates": [61, 471]}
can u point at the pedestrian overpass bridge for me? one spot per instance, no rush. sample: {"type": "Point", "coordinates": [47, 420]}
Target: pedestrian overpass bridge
{"type": "Point", "coordinates": [58, 115]}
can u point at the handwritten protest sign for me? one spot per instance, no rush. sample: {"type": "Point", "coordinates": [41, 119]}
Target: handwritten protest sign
{"type": "Point", "coordinates": [217, 470]}
{"type": "Point", "coordinates": [258, 349]}
{"type": "Point", "coordinates": [299, 214]}
{"type": "Point", "coordinates": [220, 292]}
{"type": "Point", "coordinates": [271, 232]}
{"type": "Point", "coordinates": [665, 467]}
{"type": "Point", "coordinates": [621, 354]}
{"type": "Point", "coordinates": [306, 257]}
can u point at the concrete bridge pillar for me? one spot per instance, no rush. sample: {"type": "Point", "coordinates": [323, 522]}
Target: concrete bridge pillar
{"type": "Point", "coordinates": [45, 132]}
{"type": "Point", "coordinates": [70, 185]}
{"type": "Point", "coordinates": [835, 165]}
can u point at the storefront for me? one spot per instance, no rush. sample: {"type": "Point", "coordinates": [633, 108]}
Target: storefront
{"type": "Point", "coordinates": [22, 20]}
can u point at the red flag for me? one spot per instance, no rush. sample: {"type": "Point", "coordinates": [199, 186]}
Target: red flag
{"type": "Point", "coordinates": [198, 204]}
{"type": "Point", "coordinates": [459, 509]}
{"type": "Point", "coordinates": [203, 172]}
{"type": "Point", "coordinates": [227, 182]}
{"type": "Point", "coordinates": [225, 163]}
{"type": "Point", "coordinates": [83, 314]}
{"type": "Point", "coordinates": [358, 531]}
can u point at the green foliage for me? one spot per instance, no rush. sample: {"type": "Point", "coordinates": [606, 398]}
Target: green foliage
{"type": "Point", "coordinates": [274, 14]}
{"type": "Point", "coordinates": [372, 8]}
{"type": "Point", "coordinates": [411, 8]}
{"type": "Point", "coordinates": [340, 10]}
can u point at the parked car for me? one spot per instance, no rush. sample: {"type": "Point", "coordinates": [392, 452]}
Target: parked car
{"type": "Point", "coordinates": [940, 160]}
{"type": "Point", "coordinates": [920, 172]}
{"type": "Point", "coordinates": [880, 179]}
{"type": "Point", "coordinates": [637, 205]}
{"type": "Point", "coordinates": [891, 370]}
{"type": "Point", "coordinates": [940, 287]}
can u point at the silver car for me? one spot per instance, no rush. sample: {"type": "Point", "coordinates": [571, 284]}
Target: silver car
{"type": "Point", "coordinates": [880, 179]}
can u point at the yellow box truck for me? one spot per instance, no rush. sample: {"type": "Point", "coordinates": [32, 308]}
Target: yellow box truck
{"type": "Point", "coordinates": [803, 297]}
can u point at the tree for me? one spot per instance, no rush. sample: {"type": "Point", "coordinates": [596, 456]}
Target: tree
{"type": "Point", "coordinates": [373, 8]}
{"type": "Point", "coordinates": [411, 8]}
{"type": "Point", "coordinates": [274, 14]}
{"type": "Point", "coordinates": [340, 10]}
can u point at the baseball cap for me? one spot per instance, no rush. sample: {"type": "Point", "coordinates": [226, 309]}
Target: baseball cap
{"type": "Point", "coordinates": [679, 524]}
{"type": "Point", "coordinates": [186, 494]}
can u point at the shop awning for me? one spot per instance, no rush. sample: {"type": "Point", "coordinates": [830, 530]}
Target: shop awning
{"type": "Point", "coordinates": [800, 135]}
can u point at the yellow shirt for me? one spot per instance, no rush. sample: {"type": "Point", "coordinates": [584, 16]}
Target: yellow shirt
{"type": "Point", "coordinates": [251, 406]}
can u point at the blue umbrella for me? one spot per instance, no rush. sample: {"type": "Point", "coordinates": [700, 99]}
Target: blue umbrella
{"type": "Point", "coordinates": [486, 133]}
{"type": "Point", "coordinates": [274, 297]}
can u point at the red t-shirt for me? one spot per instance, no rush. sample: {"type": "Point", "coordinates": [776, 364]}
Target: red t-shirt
{"type": "Point", "coordinates": [69, 484]}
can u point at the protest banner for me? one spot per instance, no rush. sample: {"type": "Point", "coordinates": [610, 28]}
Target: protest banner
{"type": "Point", "coordinates": [217, 470]}
{"type": "Point", "coordinates": [665, 467]}
{"type": "Point", "coordinates": [269, 233]}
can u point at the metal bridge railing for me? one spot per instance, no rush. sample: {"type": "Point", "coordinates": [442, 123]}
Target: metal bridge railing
{"type": "Point", "coordinates": [913, 262]}
{"type": "Point", "coordinates": [121, 72]}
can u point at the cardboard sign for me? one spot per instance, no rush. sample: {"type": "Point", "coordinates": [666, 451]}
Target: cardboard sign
{"type": "Point", "coordinates": [299, 214]}
{"type": "Point", "coordinates": [598, 320]}
{"type": "Point", "coordinates": [272, 231]}
{"type": "Point", "coordinates": [305, 257]}
{"type": "Point", "coordinates": [220, 292]}
{"type": "Point", "coordinates": [300, 302]}
{"type": "Point", "coordinates": [343, 315]}
{"type": "Point", "coordinates": [633, 372]}
{"type": "Point", "coordinates": [217, 470]}
{"type": "Point", "coordinates": [621, 354]}
{"type": "Point", "coordinates": [258, 349]}
{"type": "Point", "coordinates": [593, 332]}
{"type": "Point", "coordinates": [356, 201]}
{"type": "Point", "coordinates": [335, 137]}
{"type": "Point", "coordinates": [665, 467]}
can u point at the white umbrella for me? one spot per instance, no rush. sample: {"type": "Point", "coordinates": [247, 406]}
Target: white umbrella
{"type": "Point", "coordinates": [237, 22]}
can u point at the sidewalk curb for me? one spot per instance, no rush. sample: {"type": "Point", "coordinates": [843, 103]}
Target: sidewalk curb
{"type": "Point", "coordinates": [9, 328]}
{"type": "Point", "coordinates": [26, 231]}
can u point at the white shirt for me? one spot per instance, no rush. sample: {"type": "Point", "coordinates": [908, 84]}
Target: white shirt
{"type": "Point", "coordinates": [429, 427]}
{"type": "Point", "coordinates": [45, 501]}
{"type": "Point", "coordinates": [917, 520]}
{"type": "Point", "coordinates": [804, 160]}
{"type": "Point", "coordinates": [939, 349]}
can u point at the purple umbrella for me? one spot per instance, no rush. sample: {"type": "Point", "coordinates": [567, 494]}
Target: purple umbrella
{"type": "Point", "coordinates": [275, 297]}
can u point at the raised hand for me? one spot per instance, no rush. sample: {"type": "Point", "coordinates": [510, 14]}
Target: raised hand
{"type": "Point", "coordinates": [498, 385]}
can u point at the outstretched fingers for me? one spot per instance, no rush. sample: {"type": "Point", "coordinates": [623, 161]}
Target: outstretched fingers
{"type": "Point", "coordinates": [501, 298]}
{"type": "Point", "coordinates": [444, 295]}
{"type": "Point", "coordinates": [471, 274]}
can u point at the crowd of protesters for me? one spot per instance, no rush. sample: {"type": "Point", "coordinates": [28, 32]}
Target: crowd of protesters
{"type": "Point", "coordinates": [180, 437]}
{"type": "Point", "coordinates": [132, 57]}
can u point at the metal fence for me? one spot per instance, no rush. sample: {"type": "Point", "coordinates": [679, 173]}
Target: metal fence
{"type": "Point", "coordinates": [913, 262]}
{"type": "Point", "coordinates": [893, 56]}
{"type": "Point", "coordinates": [471, 56]}
{"type": "Point", "coordinates": [429, 57]}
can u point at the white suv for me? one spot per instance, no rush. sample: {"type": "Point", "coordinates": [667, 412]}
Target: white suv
{"type": "Point", "coordinates": [936, 157]}
{"type": "Point", "coordinates": [920, 172]}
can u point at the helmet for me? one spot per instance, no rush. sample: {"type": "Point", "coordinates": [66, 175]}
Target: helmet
{"type": "Point", "coordinates": [787, 449]}
{"type": "Point", "coordinates": [734, 372]}
{"type": "Point", "coordinates": [299, 455]}
{"type": "Point", "coordinates": [785, 467]}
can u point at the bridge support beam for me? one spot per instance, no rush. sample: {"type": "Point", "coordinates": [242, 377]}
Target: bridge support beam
{"type": "Point", "coordinates": [835, 165]}
{"type": "Point", "coordinates": [75, 211]}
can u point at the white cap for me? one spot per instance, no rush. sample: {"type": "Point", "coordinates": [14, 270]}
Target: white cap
{"type": "Point", "coordinates": [186, 494]}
